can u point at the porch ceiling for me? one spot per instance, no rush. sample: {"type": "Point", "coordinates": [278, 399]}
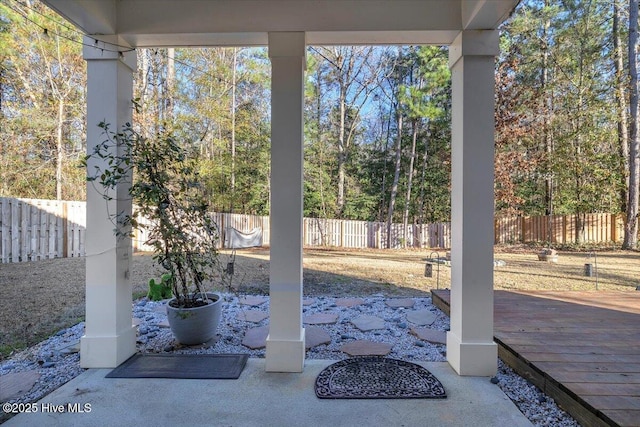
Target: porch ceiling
{"type": "Point", "coordinates": [155, 23]}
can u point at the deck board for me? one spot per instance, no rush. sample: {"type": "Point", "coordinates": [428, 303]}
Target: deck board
{"type": "Point", "coordinates": [581, 348]}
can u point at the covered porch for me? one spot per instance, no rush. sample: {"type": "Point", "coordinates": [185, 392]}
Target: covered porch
{"type": "Point", "coordinates": [114, 28]}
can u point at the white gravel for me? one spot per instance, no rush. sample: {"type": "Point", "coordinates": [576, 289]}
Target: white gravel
{"type": "Point", "coordinates": [56, 367]}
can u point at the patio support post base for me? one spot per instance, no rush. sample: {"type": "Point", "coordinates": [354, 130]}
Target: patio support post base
{"type": "Point", "coordinates": [285, 355]}
{"type": "Point", "coordinates": [473, 359]}
{"type": "Point", "coordinates": [285, 344]}
{"type": "Point", "coordinates": [109, 337]}
{"type": "Point", "coordinates": [470, 346]}
{"type": "Point", "coordinates": [107, 352]}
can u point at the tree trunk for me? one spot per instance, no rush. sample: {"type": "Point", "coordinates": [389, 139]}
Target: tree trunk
{"type": "Point", "coordinates": [631, 227]}
{"type": "Point", "coordinates": [143, 60]}
{"type": "Point", "coordinates": [342, 155]}
{"type": "Point", "coordinates": [396, 179]}
{"type": "Point", "coordinates": [623, 130]}
{"type": "Point", "coordinates": [548, 141]}
{"type": "Point", "coordinates": [423, 177]}
{"type": "Point", "coordinates": [383, 191]}
{"type": "Point", "coordinates": [59, 149]}
{"type": "Point", "coordinates": [233, 127]}
{"type": "Point", "coordinates": [405, 215]}
{"type": "Point", "coordinates": [353, 77]}
{"type": "Point", "coordinates": [323, 204]}
{"type": "Point", "coordinates": [170, 83]}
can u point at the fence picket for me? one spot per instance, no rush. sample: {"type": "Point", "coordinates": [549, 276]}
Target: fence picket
{"type": "Point", "coordinates": [4, 230]}
{"type": "Point", "coordinates": [15, 232]}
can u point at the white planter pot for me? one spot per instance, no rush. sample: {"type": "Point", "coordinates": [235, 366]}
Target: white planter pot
{"type": "Point", "coordinates": [193, 326]}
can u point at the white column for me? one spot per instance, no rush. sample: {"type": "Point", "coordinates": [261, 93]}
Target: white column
{"type": "Point", "coordinates": [285, 343]}
{"type": "Point", "coordinates": [109, 337]}
{"type": "Point", "coordinates": [470, 346]}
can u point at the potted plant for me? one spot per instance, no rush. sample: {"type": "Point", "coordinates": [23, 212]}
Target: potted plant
{"type": "Point", "coordinates": [166, 191]}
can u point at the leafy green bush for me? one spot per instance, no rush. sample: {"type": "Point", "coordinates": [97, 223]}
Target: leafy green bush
{"type": "Point", "coordinates": [162, 179]}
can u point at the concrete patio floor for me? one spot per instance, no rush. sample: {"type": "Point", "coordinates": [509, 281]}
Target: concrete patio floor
{"type": "Point", "coordinates": [259, 398]}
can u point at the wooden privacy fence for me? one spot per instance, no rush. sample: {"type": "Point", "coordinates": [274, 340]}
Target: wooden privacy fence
{"type": "Point", "coordinates": [561, 229]}
{"type": "Point", "coordinates": [368, 234]}
{"type": "Point", "coordinates": [32, 229]}
{"type": "Point", "coordinates": [333, 232]}
{"type": "Point", "coordinates": [244, 223]}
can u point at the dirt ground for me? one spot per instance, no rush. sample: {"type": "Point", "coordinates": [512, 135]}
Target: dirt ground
{"type": "Point", "coordinates": [39, 298]}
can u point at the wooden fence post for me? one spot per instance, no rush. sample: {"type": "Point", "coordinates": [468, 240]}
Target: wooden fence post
{"type": "Point", "coordinates": [305, 223]}
{"type": "Point", "coordinates": [15, 232]}
{"type": "Point", "coordinates": [222, 231]}
{"type": "Point", "coordinates": [4, 230]}
{"type": "Point", "coordinates": [24, 240]}
{"type": "Point", "coordinates": [65, 229]}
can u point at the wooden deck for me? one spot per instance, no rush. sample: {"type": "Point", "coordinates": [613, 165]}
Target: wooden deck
{"type": "Point", "coordinates": [580, 348]}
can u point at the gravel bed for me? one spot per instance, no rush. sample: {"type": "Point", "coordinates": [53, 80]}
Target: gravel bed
{"type": "Point", "coordinates": [57, 366]}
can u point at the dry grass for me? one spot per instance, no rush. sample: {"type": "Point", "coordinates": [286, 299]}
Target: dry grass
{"type": "Point", "coordinates": [39, 298]}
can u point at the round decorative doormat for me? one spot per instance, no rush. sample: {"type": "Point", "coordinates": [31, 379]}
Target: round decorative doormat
{"type": "Point", "coordinates": [377, 378]}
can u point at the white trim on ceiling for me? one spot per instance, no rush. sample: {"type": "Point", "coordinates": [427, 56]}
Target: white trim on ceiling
{"type": "Point", "coordinates": [147, 23]}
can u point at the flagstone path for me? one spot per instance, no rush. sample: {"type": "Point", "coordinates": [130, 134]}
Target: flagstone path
{"type": "Point", "coordinates": [255, 338]}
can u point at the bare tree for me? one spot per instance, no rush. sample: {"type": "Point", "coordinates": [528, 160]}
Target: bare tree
{"type": "Point", "coordinates": [621, 83]}
{"type": "Point", "coordinates": [415, 127]}
{"type": "Point", "coordinates": [354, 73]}
{"type": "Point", "coordinates": [396, 176]}
{"type": "Point", "coordinates": [631, 227]}
{"type": "Point", "coordinates": [395, 80]}
{"type": "Point", "coordinates": [234, 84]}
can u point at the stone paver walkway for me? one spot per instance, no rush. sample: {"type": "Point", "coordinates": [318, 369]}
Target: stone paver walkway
{"type": "Point", "coordinates": [421, 317]}
{"type": "Point", "coordinates": [72, 348]}
{"type": "Point", "coordinates": [366, 348]}
{"type": "Point", "coordinates": [433, 336]}
{"type": "Point", "coordinates": [314, 336]}
{"type": "Point", "coordinates": [255, 316]}
{"type": "Point", "coordinates": [400, 302]}
{"type": "Point", "coordinates": [253, 300]}
{"type": "Point", "coordinates": [255, 338]}
{"type": "Point", "coordinates": [349, 302]}
{"type": "Point", "coordinates": [368, 323]}
{"type": "Point", "coordinates": [321, 319]}
{"type": "Point", "coordinates": [16, 384]}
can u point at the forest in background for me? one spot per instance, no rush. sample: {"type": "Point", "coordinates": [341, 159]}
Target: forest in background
{"type": "Point", "coordinates": [377, 119]}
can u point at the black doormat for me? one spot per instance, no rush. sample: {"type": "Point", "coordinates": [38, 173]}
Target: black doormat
{"type": "Point", "coordinates": [373, 377]}
{"type": "Point", "coordinates": [188, 366]}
